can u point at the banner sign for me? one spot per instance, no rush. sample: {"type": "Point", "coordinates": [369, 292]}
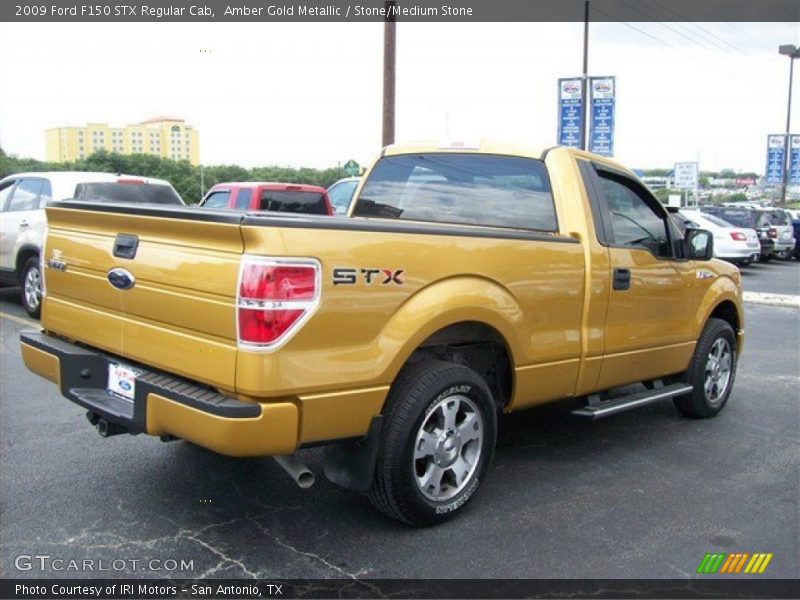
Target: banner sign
{"type": "Point", "coordinates": [570, 112]}
{"type": "Point", "coordinates": [775, 159]}
{"type": "Point", "coordinates": [601, 120]}
{"type": "Point", "coordinates": [794, 159]}
{"type": "Point", "coordinates": [686, 174]}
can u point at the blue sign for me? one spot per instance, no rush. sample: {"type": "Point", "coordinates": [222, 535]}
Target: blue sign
{"type": "Point", "coordinates": [794, 160]}
{"type": "Point", "coordinates": [601, 119]}
{"type": "Point", "coordinates": [776, 159]}
{"type": "Point", "coordinates": [570, 112]}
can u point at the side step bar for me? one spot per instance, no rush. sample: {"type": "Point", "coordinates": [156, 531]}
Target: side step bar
{"type": "Point", "coordinates": [598, 409]}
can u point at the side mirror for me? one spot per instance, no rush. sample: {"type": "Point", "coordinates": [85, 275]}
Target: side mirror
{"type": "Point", "coordinates": [698, 244]}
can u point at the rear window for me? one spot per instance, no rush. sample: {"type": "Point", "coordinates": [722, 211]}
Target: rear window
{"type": "Point", "coordinates": [136, 193]}
{"type": "Point", "coordinates": [738, 218]}
{"type": "Point", "coordinates": [475, 189]}
{"type": "Point", "coordinates": [777, 217]}
{"type": "Point", "coordinates": [717, 221]}
{"type": "Point", "coordinates": [312, 203]}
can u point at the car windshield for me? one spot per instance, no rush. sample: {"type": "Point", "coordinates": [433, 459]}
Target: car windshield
{"type": "Point", "coordinates": [137, 193]}
{"type": "Point", "coordinates": [340, 195]}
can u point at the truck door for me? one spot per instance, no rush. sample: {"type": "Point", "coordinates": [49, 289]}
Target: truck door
{"type": "Point", "coordinates": [652, 302]}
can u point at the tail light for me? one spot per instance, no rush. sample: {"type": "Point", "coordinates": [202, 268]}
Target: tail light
{"type": "Point", "coordinates": [275, 297]}
{"type": "Point", "coordinates": [773, 233]}
{"type": "Point", "coordinates": [738, 236]}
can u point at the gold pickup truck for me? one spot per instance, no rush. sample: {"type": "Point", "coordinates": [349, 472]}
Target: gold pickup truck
{"type": "Point", "coordinates": [465, 282]}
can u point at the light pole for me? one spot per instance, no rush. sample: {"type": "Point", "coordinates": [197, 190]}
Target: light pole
{"type": "Point", "coordinates": [585, 86]}
{"type": "Point", "coordinates": [389, 52]}
{"type": "Point", "coordinates": [792, 52]}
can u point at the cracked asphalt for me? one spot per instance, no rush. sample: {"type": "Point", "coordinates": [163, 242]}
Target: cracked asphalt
{"type": "Point", "coordinates": [641, 495]}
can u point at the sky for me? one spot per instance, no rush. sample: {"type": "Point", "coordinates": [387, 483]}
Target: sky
{"type": "Point", "coordinates": [309, 94]}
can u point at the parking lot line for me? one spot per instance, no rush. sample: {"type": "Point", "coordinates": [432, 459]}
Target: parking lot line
{"type": "Point", "coordinates": [788, 300]}
{"type": "Point", "coordinates": [19, 320]}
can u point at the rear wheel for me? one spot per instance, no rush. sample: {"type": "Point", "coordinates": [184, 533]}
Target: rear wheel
{"type": "Point", "coordinates": [440, 427]}
{"type": "Point", "coordinates": [711, 372]}
{"type": "Point", "coordinates": [31, 287]}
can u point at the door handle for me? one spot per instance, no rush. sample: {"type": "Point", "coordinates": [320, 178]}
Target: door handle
{"type": "Point", "coordinates": [23, 224]}
{"type": "Point", "coordinates": [622, 279]}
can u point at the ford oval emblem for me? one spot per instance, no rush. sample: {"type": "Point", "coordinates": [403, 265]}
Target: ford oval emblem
{"type": "Point", "coordinates": [122, 279]}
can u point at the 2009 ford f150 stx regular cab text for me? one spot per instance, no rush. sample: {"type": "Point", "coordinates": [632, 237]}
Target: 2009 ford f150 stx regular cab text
{"type": "Point", "coordinates": [466, 283]}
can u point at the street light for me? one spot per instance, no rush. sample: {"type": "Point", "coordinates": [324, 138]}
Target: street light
{"type": "Point", "coordinates": [792, 52]}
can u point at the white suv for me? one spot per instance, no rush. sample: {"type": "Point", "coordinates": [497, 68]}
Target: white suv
{"type": "Point", "coordinates": [23, 197]}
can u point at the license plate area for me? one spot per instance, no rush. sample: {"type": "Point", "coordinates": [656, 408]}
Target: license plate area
{"type": "Point", "coordinates": [122, 381]}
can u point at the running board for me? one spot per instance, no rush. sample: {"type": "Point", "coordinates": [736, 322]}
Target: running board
{"type": "Point", "coordinates": [598, 409]}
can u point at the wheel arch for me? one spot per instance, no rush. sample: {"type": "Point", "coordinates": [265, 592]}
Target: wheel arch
{"type": "Point", "coordinates": [23, 254]}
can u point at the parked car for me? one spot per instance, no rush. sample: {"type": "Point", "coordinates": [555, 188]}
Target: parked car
{"type": "Point", "coordinates": [395, 337]}
{"type": "Point", "coordinates": [22, 200]}
{"type": "Point", "coordinates": [269, 196]}
{"type": "Point", "coordinates": [747, 217]}
{"type": "Point", "coordinates": [738, 245]}
{"type": "Point", "coordinates": [341, 194]}
{"type": "Point", "coordinates": [778, 224]}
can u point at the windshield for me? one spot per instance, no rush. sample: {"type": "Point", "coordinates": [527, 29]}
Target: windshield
{"type": "Point", "coordinates": [137, 193]}
{"type": "Point", "coordinates": [341, 194]}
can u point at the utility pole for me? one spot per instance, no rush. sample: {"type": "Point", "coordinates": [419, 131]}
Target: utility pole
{"type": "Point", "coordinates": [792, 52]}
{"type": "Point", "coordinates": [585, 86]}
{"type": "Point", "coordinates": [389, 51]}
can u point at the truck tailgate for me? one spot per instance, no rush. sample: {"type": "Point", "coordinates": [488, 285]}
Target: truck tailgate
{"type": "Point", "coordinates": [178, 316]}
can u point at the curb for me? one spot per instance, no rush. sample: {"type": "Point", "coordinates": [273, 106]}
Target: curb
{"type": "Point", "coordinates": [785, 300]}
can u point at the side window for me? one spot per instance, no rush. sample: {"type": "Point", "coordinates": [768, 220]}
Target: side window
{"type": "Point", "coordinates": [218, 199]}
{"type": "Point", "coordinates": [26, 195]}
{"type": "Point", "coordinates": [243, 198]}
{"type": "Point", "coordinates": [5, 192]}
{"type": "Point", "coordinates": [634, 222]}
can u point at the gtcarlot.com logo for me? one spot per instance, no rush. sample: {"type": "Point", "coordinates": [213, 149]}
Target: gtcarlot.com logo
{"type": "Point", "coordinates": [46, 562]}
{"type": "Point", "coordinates": [734, 563]}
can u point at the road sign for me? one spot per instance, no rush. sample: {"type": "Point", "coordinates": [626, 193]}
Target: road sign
{"type": "Point", "coordinates": [570, 111]}
{"type": "Point", "coordinates": [776, 158]}
{"type": "Point", "coordinates": [351, 168]}
{"type": "Point", "coordinates": [601, 121]}
{"type": "Point", "coordinates": [794, 159]}
{"type": "Point", "coordinates": [686, 174]}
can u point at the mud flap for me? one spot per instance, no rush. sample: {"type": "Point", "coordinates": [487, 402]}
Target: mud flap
{"type": "Point", "coordinates": [351, 465]}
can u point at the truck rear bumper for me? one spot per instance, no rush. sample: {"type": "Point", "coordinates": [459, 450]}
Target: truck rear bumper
{"type": "Point", "coordinates": [162, 404]}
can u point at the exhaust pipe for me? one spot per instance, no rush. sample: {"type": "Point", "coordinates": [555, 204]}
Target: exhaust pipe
{"type": "Point", "coordinates": [296, 469]}
{"type": "Point", "coordinates": [106, 429]}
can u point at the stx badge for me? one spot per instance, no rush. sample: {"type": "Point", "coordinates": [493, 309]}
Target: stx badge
{"type": "Point", "coordinates": [345, 276]}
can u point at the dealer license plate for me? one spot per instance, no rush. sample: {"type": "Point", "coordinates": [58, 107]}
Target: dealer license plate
{"type": "Point", "coordinates": [122, 381]}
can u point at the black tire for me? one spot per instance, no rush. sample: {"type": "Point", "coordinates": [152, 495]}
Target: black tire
{"type": "Point", "coordinates": [31, 299]}
{"type": "Point", "coordinates": [703, 402]}
{"type": "Point", "coordinates": [420, 395]}
{"type": "Point", "coordinates": [765, 258]}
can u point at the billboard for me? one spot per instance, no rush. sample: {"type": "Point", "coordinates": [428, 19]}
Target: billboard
{"type": "Point", "coordinates": [794, 159]}
{"type": "Point", "coordinates": [601, 120]}
{"type": "Point", "coordinates": [570, 111]}
{"type": "Point", "coordinates": [776, 158]}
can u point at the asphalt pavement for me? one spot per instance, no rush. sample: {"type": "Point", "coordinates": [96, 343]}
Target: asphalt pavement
{"type": "Point", "coordinates": [644, 494]}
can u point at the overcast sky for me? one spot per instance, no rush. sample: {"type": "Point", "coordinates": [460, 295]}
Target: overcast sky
{"type": "Point", "coordinates": [309, 94]}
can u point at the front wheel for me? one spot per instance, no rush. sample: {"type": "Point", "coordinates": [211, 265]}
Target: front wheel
{"type": "Point", "coordinates": [711, 372]}
{"type": "Point", "coordinates": [440, 428]}
{"type": "Point", "coordinates": [31, 287]}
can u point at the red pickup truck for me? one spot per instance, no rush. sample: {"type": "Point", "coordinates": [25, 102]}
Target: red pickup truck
{"type": "Point", "coordinates": [270, 196]}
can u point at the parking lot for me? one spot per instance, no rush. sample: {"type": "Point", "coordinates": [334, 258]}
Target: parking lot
{"type": "Point", "coordinates": [641, 495]}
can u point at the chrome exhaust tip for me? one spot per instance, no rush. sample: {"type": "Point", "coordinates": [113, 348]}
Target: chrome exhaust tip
{"type": "Point", "coordinates": [297, 469]}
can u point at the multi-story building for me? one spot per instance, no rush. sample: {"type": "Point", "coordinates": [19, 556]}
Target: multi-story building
{"type": "Point", "coordinates": [168, 137]}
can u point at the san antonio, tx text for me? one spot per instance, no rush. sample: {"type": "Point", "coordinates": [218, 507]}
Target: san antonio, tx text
{"type": "Point", "coordinates": [138, 590]}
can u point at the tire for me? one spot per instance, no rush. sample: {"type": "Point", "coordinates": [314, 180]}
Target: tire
{"type": "Point", "coordinates": [451, 407]}
{"type": "Point", "coordinates": [710, 373]}
{"type": "Point", "coordinates": [30, 283]}
{"type": "Point", "coordinates": [766, 258]}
